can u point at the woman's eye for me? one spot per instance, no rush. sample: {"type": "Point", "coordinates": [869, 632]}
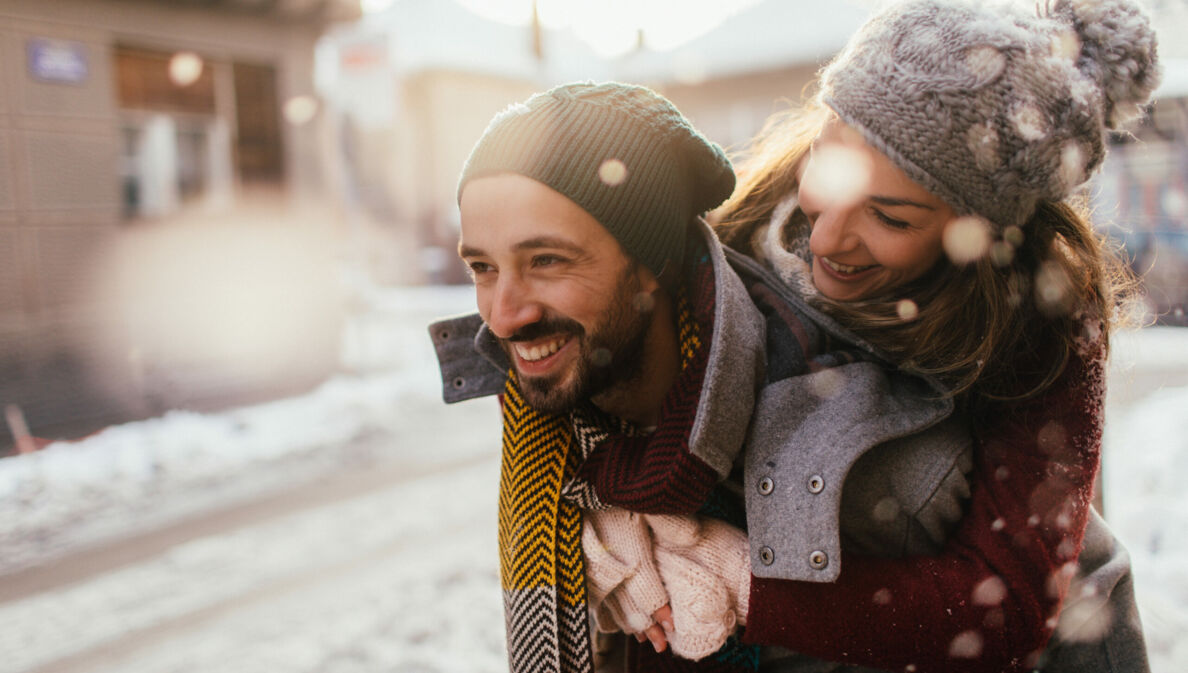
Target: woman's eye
{"type": "Point", "coordinates": [477, 268]}
{"type": "Point", "coordinates": [890, 221]}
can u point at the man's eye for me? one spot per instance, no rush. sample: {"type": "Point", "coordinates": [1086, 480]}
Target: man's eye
{"type": "Point", "coordinates": [478, 268]}
{"type": "Point", "coordinates": [546, 260]}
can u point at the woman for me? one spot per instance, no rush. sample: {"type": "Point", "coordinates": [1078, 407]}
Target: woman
{"type": "Point", "coordinates": [925, 201]}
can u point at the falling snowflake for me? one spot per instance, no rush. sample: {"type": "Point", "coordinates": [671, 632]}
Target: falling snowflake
{"type": "Point", "coordinates": [1052, 288]}
{"type": "Point", "coordinates": [1029, 122]}
{"type": "Point", "coordinates": [886, 510]}
{"type": "Point", "coordinates": [612, 172]}
{"type": "Point", "coordinates": [985, 62]}
{"type": "Point", "coordinates": [983, 144]}
{"type": "Point", "coordinates": [827, 383]}
{"type": "Point", "coordinates": [990, 591]}
{"type": "Point", "coordinates": [907, 309]}
{"type": "Point", "coordinates": [966, 239]}
{"type": "Point", "coordinates": [836, 175]}
{"type": "Point", "coordinates": [1072, 164]}
{"type": "Point", "coordinates": [967, 645]}
{"type": "Point", "coordinates": [644, 302]}
{"type": "Point", "coordinates": [1066, 45]}
{"type": "Point", "coordinates": [882, 597]}
{"type": "Point", "coordinates": [1002, 253]}
{"type": "Point", "coordinates": [601, 357]}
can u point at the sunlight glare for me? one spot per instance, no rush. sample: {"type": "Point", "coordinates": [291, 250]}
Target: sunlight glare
{"type": "Point", "coordinates": [375, 6]}
{"type": "Point", "coordinates": [613, 28]}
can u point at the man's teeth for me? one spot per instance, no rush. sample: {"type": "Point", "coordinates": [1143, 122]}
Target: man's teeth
{"type": "Point", "coordinates": [533, 353]}
{"type": "Point", "coordinates": [844, 268]}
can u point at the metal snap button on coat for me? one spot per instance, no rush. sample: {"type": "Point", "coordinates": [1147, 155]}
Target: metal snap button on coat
{"type": "Point", "coordinates": [818, 560]}
{"type": "Point", "coordinates": [766, 486]}
{"type": "Point", "coordinates": [766, 555]}
{"type": "Point", "coordinates": [816, 484]}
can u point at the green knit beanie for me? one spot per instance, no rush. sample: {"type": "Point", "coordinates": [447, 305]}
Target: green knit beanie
{"type": "Point", "coordinates": [623, 153]}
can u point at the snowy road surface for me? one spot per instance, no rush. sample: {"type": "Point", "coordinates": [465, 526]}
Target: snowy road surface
{"type": "Point", "coordinates": [353, 529]}
{"type": "Point", "coordinates": [378, 582]}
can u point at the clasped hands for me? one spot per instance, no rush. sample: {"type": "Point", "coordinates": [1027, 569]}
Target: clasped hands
{"type": "Point", "coordinates": [676, 580]}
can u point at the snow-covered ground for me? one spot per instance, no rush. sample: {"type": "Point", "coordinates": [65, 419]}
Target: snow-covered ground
{"type": "Point", "coordinates": [404, 578]}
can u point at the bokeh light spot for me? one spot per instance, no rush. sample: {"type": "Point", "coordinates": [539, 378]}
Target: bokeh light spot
{"type": "Point", "coordinates": [185, 67]}
{"type": "Point", "coordinates": [300, 109]}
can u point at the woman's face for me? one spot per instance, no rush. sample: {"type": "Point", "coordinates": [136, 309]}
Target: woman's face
{"type": "Point", "coordinates": [873, 229]}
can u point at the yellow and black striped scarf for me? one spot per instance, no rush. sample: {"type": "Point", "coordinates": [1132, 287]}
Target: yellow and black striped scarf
{"type": "Point", "coordinates": [540, 547]}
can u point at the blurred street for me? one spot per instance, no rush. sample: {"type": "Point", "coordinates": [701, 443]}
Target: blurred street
{"type": "Point", "coordinates": [327, 579]}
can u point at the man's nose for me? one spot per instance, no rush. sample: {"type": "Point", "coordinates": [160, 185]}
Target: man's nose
{"type": "Point", "coordinates": [513, 306]}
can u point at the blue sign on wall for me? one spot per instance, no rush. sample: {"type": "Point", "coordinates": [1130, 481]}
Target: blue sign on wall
{"type": "Point", "coordinates": [58, 61]}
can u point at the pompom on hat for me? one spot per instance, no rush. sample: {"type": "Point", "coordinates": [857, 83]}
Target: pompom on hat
{"type": "Point", "coordinates": [992, 108]}
{"type": "Point", "coordinates": [624, 153]}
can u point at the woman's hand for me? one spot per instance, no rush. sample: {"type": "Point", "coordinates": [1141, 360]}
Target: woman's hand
{"type": "Point", "coordinates": [658, 632]}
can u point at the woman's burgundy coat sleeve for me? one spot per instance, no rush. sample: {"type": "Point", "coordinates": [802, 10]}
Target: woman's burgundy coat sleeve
{"type": "Point", "coordinates": [988, 601]}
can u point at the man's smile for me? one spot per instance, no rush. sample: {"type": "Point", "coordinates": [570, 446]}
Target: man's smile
{"type": "Point", "coordinates": [540, 350]}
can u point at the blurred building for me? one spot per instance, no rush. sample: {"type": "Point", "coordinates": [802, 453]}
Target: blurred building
{"type": "Point", "coordinates": [1141, 196]}
{"type": "Point", "coordinates": [117, 114]}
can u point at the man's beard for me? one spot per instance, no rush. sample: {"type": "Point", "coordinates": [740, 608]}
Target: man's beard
{"type": "Point", "coordinates": [610, 355]}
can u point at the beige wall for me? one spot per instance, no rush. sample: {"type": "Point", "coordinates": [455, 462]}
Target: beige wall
{"type": "Point", "coordinates": [60, 145]}
{"type": "Point", "coordinates": [443, 114]}
{"type": "Point", "coordinates": [730, 111]}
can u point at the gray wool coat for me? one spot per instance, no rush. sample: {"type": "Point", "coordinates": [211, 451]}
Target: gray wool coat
{"type": "Point", "coordinates": [862, 455]}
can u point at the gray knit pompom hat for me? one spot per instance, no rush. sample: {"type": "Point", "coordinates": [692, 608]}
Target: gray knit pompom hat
{"type": "Point", "coordinates": [991, 107]}
{"type": "Point", "coordinates": [623, 153]}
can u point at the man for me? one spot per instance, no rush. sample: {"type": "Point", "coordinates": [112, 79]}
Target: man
{"type": "Point", "coordinates": [629, 356]}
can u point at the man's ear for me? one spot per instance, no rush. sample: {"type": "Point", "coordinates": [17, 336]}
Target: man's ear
{"type": "Point", "coordinates": [647, 280]}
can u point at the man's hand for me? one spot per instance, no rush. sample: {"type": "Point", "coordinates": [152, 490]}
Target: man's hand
{"type": "Point", "coordinates": [626, 591]}
{"type": "Point", "coordinates": [674, 581]}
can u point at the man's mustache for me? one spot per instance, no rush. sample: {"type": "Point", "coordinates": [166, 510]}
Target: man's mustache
{"type": "Point", "coordinates": [546, 327]}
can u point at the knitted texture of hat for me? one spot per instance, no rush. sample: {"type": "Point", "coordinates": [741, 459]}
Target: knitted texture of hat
{"type": "Point", "coordinates": [623, 153]}
{"type": "Point", "coordinates": [989, 107]}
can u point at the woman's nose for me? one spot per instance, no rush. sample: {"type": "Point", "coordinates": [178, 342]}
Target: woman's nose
{"type": "Point", "coordinates": [512, 306]}
{"type": "Point", "coordinates": [832, 232]}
